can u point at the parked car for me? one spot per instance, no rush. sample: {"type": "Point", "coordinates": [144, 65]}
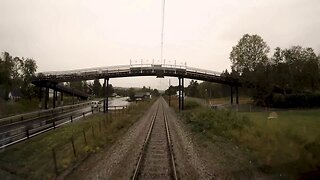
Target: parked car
{"type": "Point", "coordinates": [96, 104]}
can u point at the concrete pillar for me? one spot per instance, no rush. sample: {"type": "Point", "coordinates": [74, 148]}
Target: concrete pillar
{"type": "Point", "coordinates": [40, 97]}
{"type": "Point", "coordinates": [61, 98]}
{"type": "Point", "coordinates": [179, 89]}
{"type": "Point", "coordinates": [182, 94]}
{"type": "Point", "coordinates": [54, 99]}
{"type": "Point", "coordinates": [104, 95]}
{"type": "Point", "coordinates": [72, 96]}
{"type": "Point", "coordinates": [107, 96]}
{"type": "Point", "coordinates": [169, 96]}
{"type": "Point", "coordinates": [46, 98]}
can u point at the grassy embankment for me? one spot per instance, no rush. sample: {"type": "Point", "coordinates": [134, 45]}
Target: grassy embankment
{"type": "Point", "coordinates": [33, 159]}
{"type": "Point", "coordinates": [8, 108]}
{"type": "Point", "coordinates": [285, 147]}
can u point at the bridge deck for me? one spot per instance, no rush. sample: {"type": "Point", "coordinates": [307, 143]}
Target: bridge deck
{"type": "Point", "coordinates": [136, 70]}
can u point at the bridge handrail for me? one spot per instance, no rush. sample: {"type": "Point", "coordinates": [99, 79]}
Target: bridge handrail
{"type": "Point", "coordinates": [198, 70]}
{"type": "Point", "coordinates": [85, 70]}
{"type": "Point", "coordinates": [118, 68]}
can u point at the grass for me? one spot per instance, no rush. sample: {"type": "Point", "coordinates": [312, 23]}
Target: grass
{"type": "Point", "coordinates": [21, 106]}
{"type": "Point", "coordinates": [287, 146]}
{"type": "Point", "coordinates": [33, 159]}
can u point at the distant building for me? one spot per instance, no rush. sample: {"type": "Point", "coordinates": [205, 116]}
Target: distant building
{"type": "Point", "coordinates": [139, 96]}
{"type": "Point", "coordinates": [142, 96]}
{"type": "Point", "coordinates": [15, 94]}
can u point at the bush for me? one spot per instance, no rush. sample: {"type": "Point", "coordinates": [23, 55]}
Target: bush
{"type": "Point", "coordinates": [295, 100]}
{"type": "Point", "coordinates": [220, 122]}
{"type": "Point", "coordinates": [189, 104]}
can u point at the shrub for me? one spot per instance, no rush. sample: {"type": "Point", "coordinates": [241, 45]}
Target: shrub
{"type": "Point", "coordinates": [189, 104]}
{"type": "Point", "coordinates": [218, 122]}
{"type": "Point", "coordinates": [295, 100]}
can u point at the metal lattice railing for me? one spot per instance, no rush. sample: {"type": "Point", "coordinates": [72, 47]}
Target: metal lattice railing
{"type": "Point", "coordinates": [126, 68]}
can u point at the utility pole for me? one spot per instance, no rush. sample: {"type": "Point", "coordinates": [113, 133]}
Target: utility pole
{"type": "Point", "coordinates": [169, 93]}
{"type": "Point", "coordinates": [163, 8]}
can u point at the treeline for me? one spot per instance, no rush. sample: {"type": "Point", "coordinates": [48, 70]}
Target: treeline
{"type": "Point", "coordinates": [16, 75]}
{"type": "Point", "coordinates": [202, 90]}
{"type": "Point", "coordinates": [97, 89]}
{"type": "Point", "coordinates": [289, 78]}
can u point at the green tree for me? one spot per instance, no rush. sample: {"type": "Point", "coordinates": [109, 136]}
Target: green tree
{"type": "Point", "coordinates": [303, 68]}
{"type": "Point", "coordinates": [250, 51]}
{"type": "Point", "coordinates": [96, 88]}
{"type": "Point", "coordinates": [155, 92]}
{"type": "Point", "coordinates": [192, 89]}
{"type": "Point", "coordinates": [29, 68]}
{"type": "Point", "coordinates": [6, 69]}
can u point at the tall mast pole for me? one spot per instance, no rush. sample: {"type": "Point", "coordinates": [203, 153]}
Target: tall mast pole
{"type": "Point", "coordinates": [163, 8]}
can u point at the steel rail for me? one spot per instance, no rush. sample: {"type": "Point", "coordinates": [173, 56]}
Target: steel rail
{"type": "Point", "coordinates": [146, 141]}
{"type": "Point", "coordinates": [173, 164]}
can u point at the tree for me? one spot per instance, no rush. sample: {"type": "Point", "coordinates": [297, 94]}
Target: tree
{"type": "Point", "coordinates": [96, 88]}
{"type": "Point", "coordinates": [192, 89]}
{"type": "Point", "coordinates": [155, 92]}
{"type": "Point", "coordinates": [250, 51]}
{"type": "Point", "coordinates": [303, 68]}
{"type": "Point", "coordinates": [29, 68]}
{"type": "Point", "coordinates": [6, 67]}
{"type": "Point", "coordinates": [131, 93]}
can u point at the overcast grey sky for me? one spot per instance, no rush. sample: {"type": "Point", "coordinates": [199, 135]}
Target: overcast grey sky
{"type": "Point", "coordinates": [72, 34]}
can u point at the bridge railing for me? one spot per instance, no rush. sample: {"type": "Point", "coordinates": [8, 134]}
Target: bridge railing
{"type": "Point", "coordinates": [203, 71]}
{"type": "Point", "coordinates": [126, 68]}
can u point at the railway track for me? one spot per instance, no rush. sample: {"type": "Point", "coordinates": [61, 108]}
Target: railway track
{"type": "Point", "coordinates": [156, 159]}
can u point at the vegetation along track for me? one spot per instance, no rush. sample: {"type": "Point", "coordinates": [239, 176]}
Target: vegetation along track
{"type": "Point", "coordinates": [156, 160]}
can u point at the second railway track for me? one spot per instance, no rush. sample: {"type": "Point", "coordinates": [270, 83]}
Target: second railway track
{"type": "Point", "coordinates": [156, 160]}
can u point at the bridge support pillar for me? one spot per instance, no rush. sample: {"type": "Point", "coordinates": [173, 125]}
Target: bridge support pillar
{"type": "Point", "coordinates": [72, 96]}
{"type": "Point", "coordinates": [46, 98]}
{"type": "Point", "coordinates": [40, 97]}
{"type": "Point", "coordinates": [179, 89]}
{"type": "Point", "coordinates": [61, 98]}
{"type": "Point", "coordinates": [182, 94]}
{"type": "Point", "coordinates": [54, 99]}
{"type": "Point", "coordinates": [107, 96]}
{"type": "Point", "coordinates": [231, 91]}
{"type": "Point", "coordinates": [106, 93]}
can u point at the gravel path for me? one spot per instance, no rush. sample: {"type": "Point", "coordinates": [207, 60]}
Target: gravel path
{"type": "Point", "coordinates": [118, 162]}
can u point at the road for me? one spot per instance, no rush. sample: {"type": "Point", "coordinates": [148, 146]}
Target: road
{"type": "Point", "coordinates": [21, 130]}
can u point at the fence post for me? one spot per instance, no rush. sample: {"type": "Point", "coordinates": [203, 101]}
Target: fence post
{"type": "Point", "coordinates": [55, 161]}
{"type": "Point", "coordinates": [71, 118]}
{"type": "Point", "coordinates": [27, 132]}
{"type": "Point", "coordinates": [84, 136]}
{"type": "Point", "coordinates": [83, 114]}
{"type": "Point", "coordinates": [74, 149]}
{"type": "Point", "coordinates": [54, 124]}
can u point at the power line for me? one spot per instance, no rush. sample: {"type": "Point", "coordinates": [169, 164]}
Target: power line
{"type": "Point", "coordinates": [163, 8]}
